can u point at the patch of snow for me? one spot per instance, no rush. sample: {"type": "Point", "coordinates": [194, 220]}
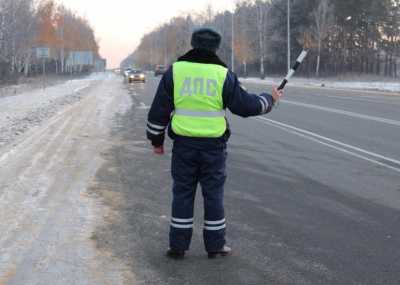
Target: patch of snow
{"type": "Point", "coordinates": [356, 85]}
{"type": "Point", "coordinates": [21, 112]}
{"type": "Point", "coordinates": [382, 86]}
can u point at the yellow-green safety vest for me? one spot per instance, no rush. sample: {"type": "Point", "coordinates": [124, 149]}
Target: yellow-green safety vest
{"type": "Point", "coordinates": [199, 109]}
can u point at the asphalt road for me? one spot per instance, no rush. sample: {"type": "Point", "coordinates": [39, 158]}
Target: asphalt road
{"type": "Point", "coordinates": [312, 197]}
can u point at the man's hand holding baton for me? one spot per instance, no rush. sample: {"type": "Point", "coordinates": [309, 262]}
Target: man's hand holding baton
{"type": "Point", "coordinates": [292, 71]}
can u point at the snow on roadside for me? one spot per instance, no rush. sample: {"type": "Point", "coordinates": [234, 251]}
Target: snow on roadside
{"type": "Point", "coordinates": [393, 87]}
{"type": "Point", "coordinates": [21, 112]}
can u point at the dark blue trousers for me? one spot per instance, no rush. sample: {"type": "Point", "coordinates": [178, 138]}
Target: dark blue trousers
{"type": "Point", "coordinates": [189, 167]}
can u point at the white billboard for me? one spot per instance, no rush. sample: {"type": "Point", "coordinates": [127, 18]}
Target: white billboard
{"type": "Point", "coordinates": [42, 52]}
{"type": "Point", "coordinates": [80, 58]}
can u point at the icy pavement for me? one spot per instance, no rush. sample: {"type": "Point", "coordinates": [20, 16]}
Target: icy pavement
{"type": "Point", "coordinates": [327, 83]}
{"type": "Point", "coordinates": [22, 112]}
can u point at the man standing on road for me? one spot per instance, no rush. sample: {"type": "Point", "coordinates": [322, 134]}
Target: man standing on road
{"type": "Point", "coordinates": [192, 99]}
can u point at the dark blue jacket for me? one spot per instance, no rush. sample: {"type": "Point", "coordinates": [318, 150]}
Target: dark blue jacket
{"type": "Point", "coordinates": [235, 98]}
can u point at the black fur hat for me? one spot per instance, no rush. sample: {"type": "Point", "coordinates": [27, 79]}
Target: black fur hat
{"type": "Point", "coordinates": [206, 38]}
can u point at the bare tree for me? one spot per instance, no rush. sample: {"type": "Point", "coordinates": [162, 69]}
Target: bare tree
{"type": "Point", "coordinates": [348, 36]}
{"type": "Point", "coordinates": [17, 31]}
{"type": "Point", "coordinates": [261, 15]}
{"type": "Point", "coordinates": [323, 20]}
{"type": "Point", "coordinates": [209, 13]}
{"type": "Point", "coordinates": [27, 27]}
{"type": "Point", "coordinates": [27, 24]}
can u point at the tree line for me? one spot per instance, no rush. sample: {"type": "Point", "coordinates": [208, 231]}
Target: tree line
{"type": "Point", "coordinates": [344, 36]}
{"type": "Point", "coordinates": [26, 25]}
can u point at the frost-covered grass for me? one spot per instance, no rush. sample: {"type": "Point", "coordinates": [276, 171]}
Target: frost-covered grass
{"type": "Point", "coordinates": [38, 82]}
{"type": "Point", "coordinates": [373, 84]}
{"type": "Point", "coordinates": [21, 112]}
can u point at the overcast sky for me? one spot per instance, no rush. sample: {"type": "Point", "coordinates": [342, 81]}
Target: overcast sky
{"type": "Point", "coordinates": [120, 24]}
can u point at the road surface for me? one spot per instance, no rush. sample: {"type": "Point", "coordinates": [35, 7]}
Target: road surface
{"type": "Point", "coordinates": [312, 197]}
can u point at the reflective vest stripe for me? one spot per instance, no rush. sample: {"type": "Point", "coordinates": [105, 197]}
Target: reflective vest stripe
{"type": "Point", "coordinates": [201, 114]}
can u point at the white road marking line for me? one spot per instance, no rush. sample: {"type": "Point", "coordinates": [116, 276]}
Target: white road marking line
{"type": "Point", "coordinates": [346, 113]}
{"type": "Point", "coordinates": [331, 143]}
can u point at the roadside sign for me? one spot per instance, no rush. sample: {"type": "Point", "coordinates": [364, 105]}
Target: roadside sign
{"type": "Point", "coordinates": [80, 58]}
{"type": "Point", "coordinates": [43, 52]}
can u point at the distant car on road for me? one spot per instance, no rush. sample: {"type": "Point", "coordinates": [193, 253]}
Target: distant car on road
{"type": "Point", "coordinates": [126, 71]}
{"type": "Point", "coordinates": [159, 70]}
{"type": "Point", "coordinates": [136, 75]}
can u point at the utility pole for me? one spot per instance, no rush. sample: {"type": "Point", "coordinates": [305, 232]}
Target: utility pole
{"type": "Point", "coordinates": [62, 52]}
{"type": "Point", "coordinates": [44, 72]}
{"type": "Point", "coordinates": [233, 42]}
{"type": "Point", "coordinates": [288, 35]}
{"type": "Point", "coordinates": [165, 47]}
{"type": "Point", "coordinates": [260, 24]}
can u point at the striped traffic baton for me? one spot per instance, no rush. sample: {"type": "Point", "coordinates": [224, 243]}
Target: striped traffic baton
{"type": "Point", "coordinates": [292, 71]}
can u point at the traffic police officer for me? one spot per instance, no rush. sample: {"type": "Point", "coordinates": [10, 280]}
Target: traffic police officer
{"type": "Point", "coordinates": [191, 101]}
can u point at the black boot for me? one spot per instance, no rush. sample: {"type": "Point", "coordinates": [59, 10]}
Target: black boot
{"type": "Point", "coordinates": [225, 251]}
{"type": "Point", "coordinates": [175, 254]}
